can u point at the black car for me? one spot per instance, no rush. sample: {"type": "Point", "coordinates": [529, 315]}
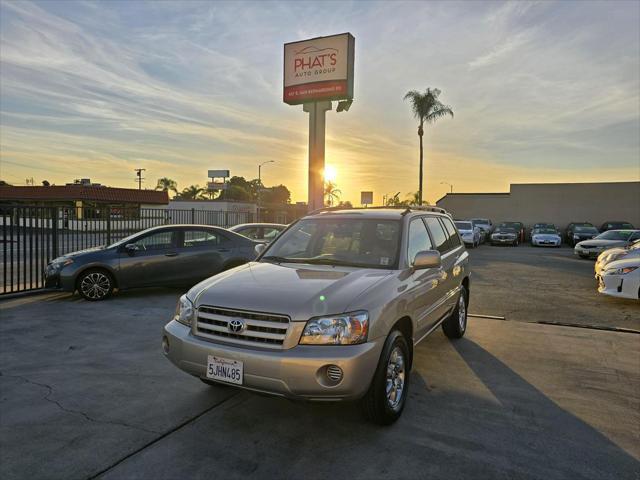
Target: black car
{"type": "Point", "coordinates": [504, 234]}
{"type": "Point", "coordinates": [616, 225]}
{"type": "Point", "coordinates": [167, 255]}
{"type": "Point", "coordinates": [503, 227]}
{"type": "Point", "coordinates": [579, 231]}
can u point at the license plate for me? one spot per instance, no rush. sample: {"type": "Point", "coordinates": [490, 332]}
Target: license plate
{"type": "Point", "coordinates": [224, 370]}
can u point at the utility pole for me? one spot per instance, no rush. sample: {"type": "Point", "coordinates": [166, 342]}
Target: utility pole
{"type": "Point", "coordinates": [139, 177]}
{"type": "Point", "coordinates": [260, 186]}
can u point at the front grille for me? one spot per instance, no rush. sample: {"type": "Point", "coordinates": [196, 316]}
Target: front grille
{"type": "Point", "coordinates": [258, 329]}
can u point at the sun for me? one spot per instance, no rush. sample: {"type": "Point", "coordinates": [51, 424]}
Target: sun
{"type": "Point", "coordinates": [330, 173]}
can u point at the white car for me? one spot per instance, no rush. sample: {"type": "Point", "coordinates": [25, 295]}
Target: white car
{"type": "Point", "coordinates": [617, 253]}
{"type": "Point", "coordinates": [470, 234]}
{"type": "Point", "coordinates": [546, 237]}
{"type": "Point", "coordinates": [621, 278]}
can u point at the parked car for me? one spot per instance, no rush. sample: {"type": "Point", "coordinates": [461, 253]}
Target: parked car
{"type": "Point", "coordinates": [264, 232]}
{"type": "Point", "coordinates": [167, 255]}
{"type": "Point", "coordinates": [517, 226]}
{"type": "Point", "coordinates": [616, 253]}
{"type": "Point", "coordinates": [616, 225]}
{"type": "Point", "coordinates": [539, 226]}
{"type": "Point", "coordinates": [612, 238]}
{"type": "Point", "coordinates": [577, 232]}
{"type": "Point", "coordinates": [470, 234]}
{"type": "Point", "coordinates": [621, 278]}
{"type": "Point", "coordinates": [485, 224]}
{"type": "Point", "coordinates": [484, 231]}
{"type": "Point", "coordinates": [546, 237]}
{"type": "Point", "coordinates": [332, 318]}
{"type": "Point", "coordinates": [503, 234]}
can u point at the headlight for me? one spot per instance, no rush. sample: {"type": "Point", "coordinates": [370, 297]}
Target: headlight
{"type": "Point", "coordinates": [576, 237]}
{"type": "Point", "coordinates": [184, 311]}
{"type": "Point", "coordinates": [620, 271]}
{"type": "Point", "coordinates": [346, 329]}
{"type": "Point", "coordinates": [61, 262]}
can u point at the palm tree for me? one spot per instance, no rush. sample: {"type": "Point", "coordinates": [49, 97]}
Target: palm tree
{"type": "Point", "coordinates": [166, 185]}
{"type": "Point", "coordinates": [193, 192]}
{"type": "Point", "coordinates": [427, 109]}
{"type": "Point", "coordinates": [331, 192]}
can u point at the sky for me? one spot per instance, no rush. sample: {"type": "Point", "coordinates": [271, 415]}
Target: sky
{"type": "Point", "coordinates": [541, 91]}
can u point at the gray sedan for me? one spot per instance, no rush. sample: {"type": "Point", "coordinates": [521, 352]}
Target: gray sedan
{"type": "Point", "coordinates": [609, 239]}
{"type": "Point", "coordinates": [168, 255]}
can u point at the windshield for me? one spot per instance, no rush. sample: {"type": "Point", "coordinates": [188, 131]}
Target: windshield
{"type": "Point", "coordinates": [366, 243]}
{"type": "Point", "coordinates": [480, 221]}
{"type": "Point", "coordinates": [125, 240]}
{"type": "Point", "coordinates": [464, 226]}
{"type": "Point", "coordinates": [501, 229]}
{"type": "Point", "coordinates": [586, 229]}
{"type": "Point", "coordinates": [615, 235]}
{"type": "Point", "coordinates": [546, 230]}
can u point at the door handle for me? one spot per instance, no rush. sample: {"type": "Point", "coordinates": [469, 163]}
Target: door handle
{"type": "Point", "coordinates": [171, 254]}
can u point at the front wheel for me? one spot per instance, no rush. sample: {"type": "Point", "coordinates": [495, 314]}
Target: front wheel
{"type": "Point", "coordinates": [95, 285]}
{"type": "Point", "coordinates": [456, 324]}
{"type": "Point", "coordinates": [384, 401]}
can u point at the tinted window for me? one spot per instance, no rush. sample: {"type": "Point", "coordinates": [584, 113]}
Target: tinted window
{"type": "Point", "coordinates": [454, 239]}
{"type": "Point", "coordinates": [156, 241]}
{"type": "Point", "coordinates": [418, 240]}
{"type": "Point", "coordinates": [201, 238]}
{"type": "Point", "coordinates": [440, 238]}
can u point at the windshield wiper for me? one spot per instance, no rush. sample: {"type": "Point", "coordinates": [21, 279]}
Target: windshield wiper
{"type": "Point", "coordinates": [333, 261]}
{"type": "Point", "coordinates": [278, 259]}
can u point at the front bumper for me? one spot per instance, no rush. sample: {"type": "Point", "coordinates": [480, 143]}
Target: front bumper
{"type": "Point", "coordinates": [587, 252]}
{"type": "Point", "coordinates": [298, 372]}
{"type": "Point", "coordinates": [546, 243]}
{"type": "Point", "coordinates": [615, 286]}
{"type": "Point", "coordinates": [59, 278]}
{"type": "Point", "coordinates": [497, 240]}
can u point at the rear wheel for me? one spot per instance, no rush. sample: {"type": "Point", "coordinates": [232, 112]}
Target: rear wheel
{"type": "Point", "coordinates": [95, 285]}
{"type": "Point", "coordinates": [456, 324]}
{"type": "Point", "coordinates": [384, 401]}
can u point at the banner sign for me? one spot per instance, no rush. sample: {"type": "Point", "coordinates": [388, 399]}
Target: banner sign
{"type": "Point", "coordinates": [319, 69]}
{"type": "Point", "coordinates": [366, 198]}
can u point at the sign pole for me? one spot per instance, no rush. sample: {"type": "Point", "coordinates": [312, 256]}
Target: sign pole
{"type": "Point", "coordinates": [316, 111]}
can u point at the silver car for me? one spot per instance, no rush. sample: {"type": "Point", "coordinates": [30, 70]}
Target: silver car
{"type": "Point", "coordinates": [331, 310]}
{"type": "Point", "coordinates": [609, 239]}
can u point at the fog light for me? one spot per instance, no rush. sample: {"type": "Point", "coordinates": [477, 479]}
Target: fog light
{"type": "Point", "coordinates": [165, 344]}
{"type": "Point", "coordinates": [334, 373]}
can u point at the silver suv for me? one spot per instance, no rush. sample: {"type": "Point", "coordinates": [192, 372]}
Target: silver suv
{"type": "Point", "coordinates": [331, 310]}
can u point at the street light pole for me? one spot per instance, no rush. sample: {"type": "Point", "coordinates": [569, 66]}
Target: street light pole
{"type": "Point", "coordinates": [260, 186]}
{"type": "Point", "coordinates": [450, 185]}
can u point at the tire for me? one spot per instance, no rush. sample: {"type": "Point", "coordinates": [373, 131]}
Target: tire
{"type": "Point", "coordinates": [95, 284]}
{"type": "Point", "coordinates": [393, 366]}
{"type": "Point", "coordinates": [456, 324]}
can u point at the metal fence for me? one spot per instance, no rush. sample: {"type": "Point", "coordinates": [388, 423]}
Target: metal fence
{"type": "Point", "coordinates": [32, 236]}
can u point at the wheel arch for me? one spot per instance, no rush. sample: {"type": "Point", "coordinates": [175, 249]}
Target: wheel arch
{"type": "Point", "coordinates": [405, 326]}
{"type": "Point", "coordinates": [99, 266]}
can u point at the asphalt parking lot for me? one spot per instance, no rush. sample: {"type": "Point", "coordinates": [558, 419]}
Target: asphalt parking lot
{"type": "Point", "coordinates": [86, 393]}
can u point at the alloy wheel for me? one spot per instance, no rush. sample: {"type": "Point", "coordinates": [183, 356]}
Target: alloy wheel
{"type": "Point", "coordinates": [395, 378]}
{"type": "Point", "coordinates": [462, 313]}
{"type": "Point", "coordinates": [95, 285]}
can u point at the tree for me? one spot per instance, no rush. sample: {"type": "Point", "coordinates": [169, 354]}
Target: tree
{"type": "Point", "coordinates": [276, 195]}
{"type": "Point", "coordinates": [331, 192]}
{"type": "Point", "coordinates": [193, 192]}
{"type": "Point", "coordinates": [167, 185]}
{"type": "Point", "coordinates": [346, 204]}
{"type": "Point", "coordinates": [427, 109]}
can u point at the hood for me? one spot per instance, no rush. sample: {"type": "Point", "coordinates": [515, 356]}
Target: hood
{"type": "Point", "coordinates": [624, 262]}
{"type": "Point", "coordinates": [602, 243]}
{"type": "Point", "coordinates": [300, 291]}
{"type": "Point", "coordinates": [83, 252]}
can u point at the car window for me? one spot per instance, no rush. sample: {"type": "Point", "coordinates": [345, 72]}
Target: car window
{"type": "Point", "coordinates": [454, 238]}
{"type": "Point", "coordinates": [270, 233]}
{"type": "Point", "coordinates": [250, 232]}
{"type": "Point", "coordinates": [367, 243]}
{"type": "Point", "coordinates": [440, 238]}
{"type": "Point", "coordinates": [418, 239]}
{"type": "Point", "coordinates": [157, 241]}
{"type": "Point", "coordinates": [201, 238]}
{"type": "Point", "coordinates": [634, 236]}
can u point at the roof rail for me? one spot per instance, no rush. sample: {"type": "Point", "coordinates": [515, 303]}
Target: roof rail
{"type": "Point", "coordinates": [407, 209]}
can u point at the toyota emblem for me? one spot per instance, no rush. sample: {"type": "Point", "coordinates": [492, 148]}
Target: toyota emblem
{"type": "Point", "coordinates": [236, 325]}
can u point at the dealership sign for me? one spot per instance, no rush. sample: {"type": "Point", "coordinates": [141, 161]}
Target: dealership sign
{"type": "Point", "coordinates": [319, 69]}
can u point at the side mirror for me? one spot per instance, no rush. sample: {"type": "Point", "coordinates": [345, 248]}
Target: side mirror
{"type": "Point", "coordinates": [261, 247]}
{"type": "Point", "coordinates": [427, 259]}
{"type": "Point", "coordinates": [131, 248]}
